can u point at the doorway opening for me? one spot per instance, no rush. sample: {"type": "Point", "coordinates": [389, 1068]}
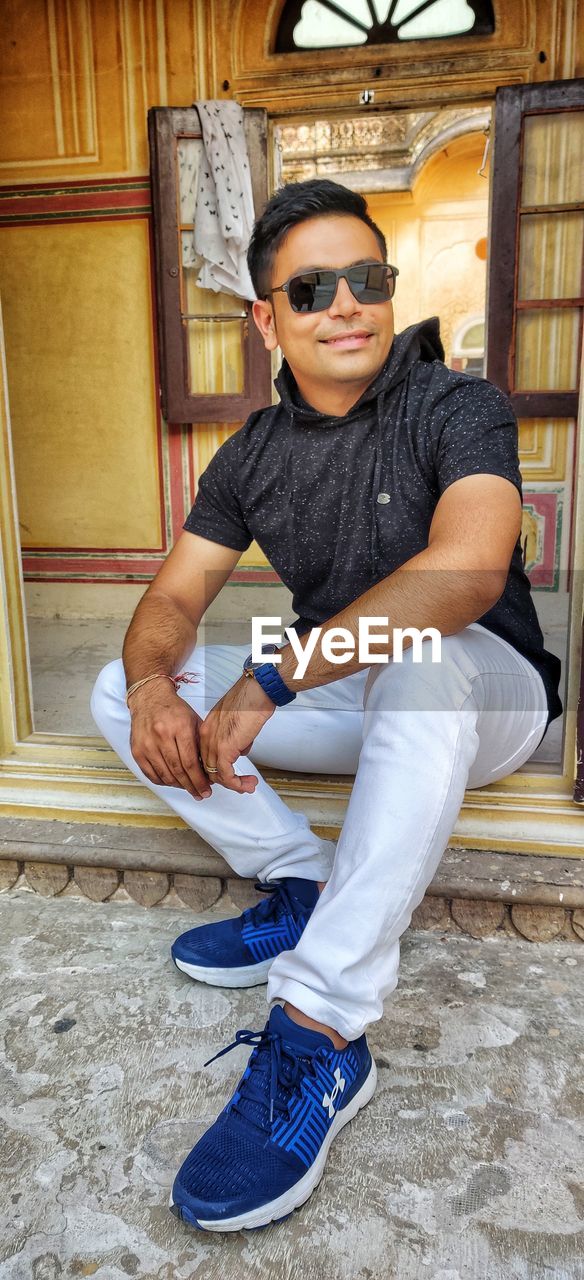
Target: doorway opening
{"type": "Point", "coordinates": [426, 178]}
{"type": "Point", "coordinates": [425, 175]}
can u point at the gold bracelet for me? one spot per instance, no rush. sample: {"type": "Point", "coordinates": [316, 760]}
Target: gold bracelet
{"type": "Point", "coordinates": [157, 675]}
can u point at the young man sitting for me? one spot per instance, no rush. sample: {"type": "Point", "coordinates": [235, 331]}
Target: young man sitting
{"type": "Point", "coordinates": [386, 486]}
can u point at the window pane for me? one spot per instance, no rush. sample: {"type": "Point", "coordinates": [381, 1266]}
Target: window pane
{"type": "Point", "coordinates": [215, 347]}
{"type": "Point", "coordinates": [188, 255]}
{"type": "Point", "coordinates": [550, 255]}
{"type": "Point", "coordinates": [354, 9]}
{"type": "Point", "coordinates": [205, 301]}
{"type": "Point", "coordinates": [546, 357]}
{"type": "Point", "coordinates": [443, 18]}
{"type": "Point", "coordinates": [315, 24]}
{"type": "Point", "coordinates": [553, 158]}
{"type": "Point", "coordinates": [474, 337]}
{"type": "Point", "coordinates": [544, 446]}
{"type": "Point", "coordinates": [189, 154]}
{"type": "Point", "coordinates": [322, 28]}
{"type": "Point", "coordinates": [215, 353]}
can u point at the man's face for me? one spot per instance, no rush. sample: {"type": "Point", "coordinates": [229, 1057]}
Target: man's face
{"type": "Point", "coordinates": [334, 354]}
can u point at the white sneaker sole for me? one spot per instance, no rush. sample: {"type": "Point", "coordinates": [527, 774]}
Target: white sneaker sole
{"type": "Point", "coordinates": [300, 1192]}
{"type": "Point", "coordinates": [249, 976]}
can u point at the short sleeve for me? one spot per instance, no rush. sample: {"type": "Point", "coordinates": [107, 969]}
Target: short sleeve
{"type": "Point", "coordinates": [477, 432]}
{"type": "Point", "coordinates": [217, 513]}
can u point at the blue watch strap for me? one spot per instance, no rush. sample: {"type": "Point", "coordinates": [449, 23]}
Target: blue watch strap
{"type": "Point", "coordinates": [271, 681]}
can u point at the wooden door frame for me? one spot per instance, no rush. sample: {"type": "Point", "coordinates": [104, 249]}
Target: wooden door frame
{"type": "Point", "coordinates": [511, 107]}
{"type": "Point", "coordinates": [72, 778]}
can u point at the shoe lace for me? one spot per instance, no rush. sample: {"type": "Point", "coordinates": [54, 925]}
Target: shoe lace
{"type": "Point", "coordinates": [287, 1069]}
{"type": "Point", "coordinates": [278, 903]}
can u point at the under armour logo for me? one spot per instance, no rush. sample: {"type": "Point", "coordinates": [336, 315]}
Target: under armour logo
{"type": "Point", "coordinates": [339, 1086]}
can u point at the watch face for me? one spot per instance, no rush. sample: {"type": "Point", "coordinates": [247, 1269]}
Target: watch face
{"type": "Point", "coordinates": [253, 666]}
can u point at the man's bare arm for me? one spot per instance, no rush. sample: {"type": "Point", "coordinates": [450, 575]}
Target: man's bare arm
{"type": "Point", "coordinates": [451, 583]}
{"type": "Point", "coordinates": [163, 631]}
{"type": "Point", "coordinates": [457, 578]}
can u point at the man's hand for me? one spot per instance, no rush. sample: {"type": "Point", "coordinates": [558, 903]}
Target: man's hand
{"type": "Point", "coordinates": [165, 740]}
{"type": "Point", "coordinates": [229, 729]}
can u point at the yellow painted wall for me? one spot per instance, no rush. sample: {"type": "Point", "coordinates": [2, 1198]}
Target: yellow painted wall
{"type": "Point", "coordinates": [432, 234]}
{"type": "Point", "coordinates": [83, 399]}
{"type": "Point", "coordinates": [77, 78]}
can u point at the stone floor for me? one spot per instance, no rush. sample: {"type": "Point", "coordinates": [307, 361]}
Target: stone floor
{"type": "Point", "coordinates": [466, 1165]}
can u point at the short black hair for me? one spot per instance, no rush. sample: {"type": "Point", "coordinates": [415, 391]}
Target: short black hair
{"type": "Point", "coordinates": [297, 202]}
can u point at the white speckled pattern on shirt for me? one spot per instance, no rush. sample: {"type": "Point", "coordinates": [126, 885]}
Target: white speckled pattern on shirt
{"type": "Point", "coordinates": [337, 504]}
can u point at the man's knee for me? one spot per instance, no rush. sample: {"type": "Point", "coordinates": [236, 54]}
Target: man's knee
{"type": "Point", "coordinates": [108, 691]}
{"type": "Point", "coordinates": [419, 682]}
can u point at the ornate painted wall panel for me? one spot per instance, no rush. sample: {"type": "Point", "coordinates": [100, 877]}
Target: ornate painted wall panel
{"type": "Point", "coordinates": [79, 76]}
{"type": "Point", "coordinates": [83, 397]}
{"type": "Point", "coordinates": [546, 452]}
{"type": "Point", "coordinates": [91, 454]}
{"type": "Point", "coordinates": [76, 281]}
{"type": "Point", "coordinates": [50, 107]}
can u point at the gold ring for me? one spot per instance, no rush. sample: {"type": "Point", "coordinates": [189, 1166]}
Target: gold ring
{"type": "Point", "coordinates": [209, 769]}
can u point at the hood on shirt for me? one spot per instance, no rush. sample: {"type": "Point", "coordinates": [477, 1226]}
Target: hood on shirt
{"type": "Point", "coordinates": [418, 342]}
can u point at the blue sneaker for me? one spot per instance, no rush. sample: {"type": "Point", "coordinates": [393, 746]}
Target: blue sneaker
{"type": "Point", "coordinates": [267, 1150]}
{"type": "Point", "coordinates": [240, 951]}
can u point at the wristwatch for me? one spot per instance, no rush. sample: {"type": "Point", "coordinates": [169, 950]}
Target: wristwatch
{"type": "Point", "coordinates": [268, 677]}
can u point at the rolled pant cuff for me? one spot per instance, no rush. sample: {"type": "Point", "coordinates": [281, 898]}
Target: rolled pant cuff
{"type": "Point", "coordinates": [312, 868]}
{"type": "Point", "coordinates": [314, 1006]}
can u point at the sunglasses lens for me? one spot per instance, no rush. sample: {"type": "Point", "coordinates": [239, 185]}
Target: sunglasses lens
{"type": "Point", "coordinates": [370, 282]}
{"type": "Point", "coordinates": [313, 291]}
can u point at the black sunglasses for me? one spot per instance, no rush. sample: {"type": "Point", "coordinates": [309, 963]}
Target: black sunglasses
{"type": "Point", "coordinates": [369, 282]}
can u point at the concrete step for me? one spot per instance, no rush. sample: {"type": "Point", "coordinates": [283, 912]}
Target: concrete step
{"type": "Point", "coordinates": [474, 891]}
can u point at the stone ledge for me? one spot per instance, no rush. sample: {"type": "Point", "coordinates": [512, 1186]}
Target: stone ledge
{"type": "Point", "coordinates": [475, 917]}
{"type": "Point", "coordinates": [103, 845]}
{"type": "Point", "coordinates": [474, 892]}
{"type": "Point", "coordinates": [472, 874]}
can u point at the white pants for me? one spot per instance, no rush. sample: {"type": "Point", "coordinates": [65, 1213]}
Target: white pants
{"type": "Point", "coordinates": [415, 735]}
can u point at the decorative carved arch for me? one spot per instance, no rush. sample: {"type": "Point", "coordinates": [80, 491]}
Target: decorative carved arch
{"type": "Point", "coordinates": [384, 152]}
{"type": "Point", "coordinates": [529, 44]}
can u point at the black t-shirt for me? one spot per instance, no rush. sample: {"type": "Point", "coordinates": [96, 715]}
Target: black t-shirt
{"type": "Point", "coordinates": [336, 504]}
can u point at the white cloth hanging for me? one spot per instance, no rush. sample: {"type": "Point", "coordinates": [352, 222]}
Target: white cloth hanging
{"type": "Point", "coordinates": [224, 211]}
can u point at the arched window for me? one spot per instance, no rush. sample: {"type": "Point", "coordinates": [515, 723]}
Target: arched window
{"type": "Point", "coordinates": [328, 24]}
{"type": "Point", "coordinates": [468, 347]}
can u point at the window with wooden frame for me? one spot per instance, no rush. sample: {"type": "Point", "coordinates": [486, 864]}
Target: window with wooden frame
{"type": "Point", "coordinates": [537, 234]}
{"type": "Point", "coordinates": [535, 315]}
{"type": "Point", "coordinates": [213, 363]}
